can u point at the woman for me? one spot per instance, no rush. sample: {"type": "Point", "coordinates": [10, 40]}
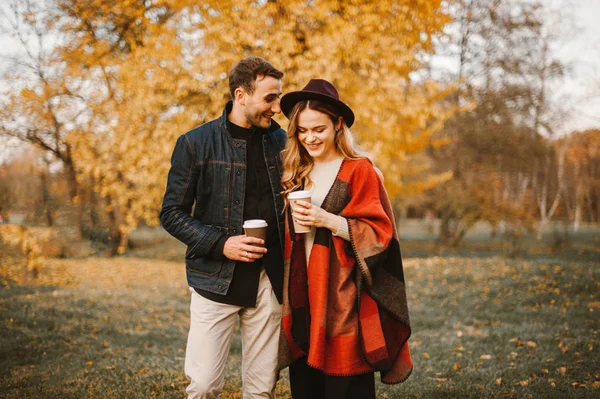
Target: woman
{"type": "Point", "coordinates": [344, 312]}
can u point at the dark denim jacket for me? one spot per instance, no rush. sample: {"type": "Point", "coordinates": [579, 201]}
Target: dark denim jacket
{"type": "Point", "coordinates": [208, 168]}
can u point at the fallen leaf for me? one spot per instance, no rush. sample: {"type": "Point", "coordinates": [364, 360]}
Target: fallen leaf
{"type": "Point", "coordinates": [485, 357]}
{"type": "Point", "coordinates": [426, 355]}
{"type": "Point", "coordinates": [456, 366]}
{"type": "Point", "coordinates": [517, 342]}
{"type": "Point", "coordinates": [499, 381]}
{"type": "Point", "coordinates": [562, 370]}
{"type": "Point", "coordinates": [564, 348]}
{"type": "Point", "coordinates": [89, 362]}
{"type": "Point", "coordinates": [524, 383]}
{"type": "Point", "coordinates": [531, 344]}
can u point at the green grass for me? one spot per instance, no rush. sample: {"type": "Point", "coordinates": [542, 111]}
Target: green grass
{"type": "Point", "coordinates": [482, 327]}
{"type": "Point", "coordinates": [477, 321]}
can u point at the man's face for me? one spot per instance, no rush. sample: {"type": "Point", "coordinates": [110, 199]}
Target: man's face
{"type": "Point", "coordinates": [263, 103]}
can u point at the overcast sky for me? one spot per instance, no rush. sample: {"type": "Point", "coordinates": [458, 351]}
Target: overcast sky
{"type": "Point", "coordinates": [579, 93]}
{"type": "Point", "coordinates": [582, 54]}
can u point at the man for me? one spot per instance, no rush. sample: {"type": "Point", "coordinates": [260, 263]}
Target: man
{"type": "Point", "coordinates": [228, 171]}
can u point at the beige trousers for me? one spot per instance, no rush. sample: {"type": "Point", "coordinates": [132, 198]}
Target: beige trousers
{"type": "Point", "coordinates": [211, 330]}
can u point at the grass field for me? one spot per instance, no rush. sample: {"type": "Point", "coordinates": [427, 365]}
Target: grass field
{"type": "Point", "coordinates": [482, 327]}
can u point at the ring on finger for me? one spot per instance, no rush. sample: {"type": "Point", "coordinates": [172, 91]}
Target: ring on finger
{"type": "Point", "coordinates": [247, 255]}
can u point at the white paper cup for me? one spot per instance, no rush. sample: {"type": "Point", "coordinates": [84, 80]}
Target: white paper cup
{"type": "Point", "coordinates": [293, 197]}
{"type": "Point", "coordinates": [256, 228]}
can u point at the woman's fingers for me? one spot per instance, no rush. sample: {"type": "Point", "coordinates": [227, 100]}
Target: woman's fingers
{"type": "Point", "coordinates": [302, 216]}
{"type": "Point", "coordinates": [311, 216]}
{"type": "Point", "coordinates": [305, 213]}
{"type": "Point", "coordinates": [303, 204]}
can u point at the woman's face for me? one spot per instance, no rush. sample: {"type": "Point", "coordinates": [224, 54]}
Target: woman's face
{"type": "Point", "coordinates": [316, 134]}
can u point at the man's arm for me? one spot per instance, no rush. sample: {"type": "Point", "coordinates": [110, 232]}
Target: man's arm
{"type": "Point", "coordinates": [175, 215]}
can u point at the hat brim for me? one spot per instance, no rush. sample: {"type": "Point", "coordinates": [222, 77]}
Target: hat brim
{"type": "Point", "coordinates": [290, 99]}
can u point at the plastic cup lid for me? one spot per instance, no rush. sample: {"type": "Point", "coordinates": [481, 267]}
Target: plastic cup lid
{"type": "Point", "coordinates": [255, 223]}
{"type": "Point", "coordinates": [299, 194]}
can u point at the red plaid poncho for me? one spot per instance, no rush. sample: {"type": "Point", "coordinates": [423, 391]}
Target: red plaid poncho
{"type": "Point", "coordinates": [347, 311]}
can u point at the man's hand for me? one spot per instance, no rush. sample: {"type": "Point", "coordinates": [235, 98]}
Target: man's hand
{"type": "Point", "coordinates": [244, 248]}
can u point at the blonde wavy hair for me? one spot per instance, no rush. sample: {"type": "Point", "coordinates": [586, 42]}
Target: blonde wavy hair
{"type": "Point", "coordinates": [297, 163]}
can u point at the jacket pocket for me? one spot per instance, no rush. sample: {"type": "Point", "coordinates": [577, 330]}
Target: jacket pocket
{"type": "Point", "coordinates": [204, 267]}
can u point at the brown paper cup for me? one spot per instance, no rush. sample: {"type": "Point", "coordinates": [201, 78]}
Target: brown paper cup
{"type": "Point", "coordinates": [256, 228]}
{"type": "Point", "coordinates": [293, 197]}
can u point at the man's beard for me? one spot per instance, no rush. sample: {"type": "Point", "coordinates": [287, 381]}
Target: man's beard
{"type": "Point", "coordinates": [255, 120]}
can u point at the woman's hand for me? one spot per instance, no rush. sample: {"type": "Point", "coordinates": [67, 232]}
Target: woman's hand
{"type": "Point", "coordinates": [307, 214]}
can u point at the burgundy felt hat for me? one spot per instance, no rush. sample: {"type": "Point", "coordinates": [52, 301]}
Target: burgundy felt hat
{"type": "Point", "coordinates": [317, 89]}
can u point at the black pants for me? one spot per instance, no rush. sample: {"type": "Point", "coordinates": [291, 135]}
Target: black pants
{"type": "Point", "coordinates": [309, 383]}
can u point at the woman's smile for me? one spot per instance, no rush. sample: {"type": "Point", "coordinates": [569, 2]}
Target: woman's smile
{"type": "Point", "coordinates": [313, 146]}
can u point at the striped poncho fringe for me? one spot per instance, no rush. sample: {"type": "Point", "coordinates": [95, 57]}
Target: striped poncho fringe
{"type": "Point", "coordinates": [352, 317]}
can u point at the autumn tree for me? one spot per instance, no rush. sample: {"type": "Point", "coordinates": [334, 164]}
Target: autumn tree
{"type": "Point", "coordinates": [582, 176]}
{"type": "Point", "coordinates": [369, 50]}
{"type": "Point", "coordinates": [545, 121]}
{"type": "Point", "coordinates": [144, 72]}
{"type": "Point", "coordinates": [161, 80]}
{"type": "Point", "coordinates": [39, 107]}
{"type": "Point", "coordinates": [26, 188]}
{"type": "Point", "coordinates": [496, 145]}
{"type": "Point", "coordinates": [129, 63]}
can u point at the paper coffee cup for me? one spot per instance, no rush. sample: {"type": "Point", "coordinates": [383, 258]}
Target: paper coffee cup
{"type": "Point", "coordinates": [293, 197]}
{"type": "Point", "coordinates": [256, 228]}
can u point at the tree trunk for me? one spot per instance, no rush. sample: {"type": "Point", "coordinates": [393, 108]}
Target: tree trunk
{"type": "Point", "coordinates": [46, 205]}
{"type": "Point", "coordinates": [93, 209]}
{"type": "Point", "coordinates": [545, 213]}
{"type": "Point", "coordinates": [577, 219]}
{"type": "Point", "coordinates": [459, 236]}
{"type": "Point", "coordinates": [577, 215]}
{"type": "Point", "coordinates": [445, 233]}
{"type": "Point", "coordinates": [541, 226]}
{"type": "Point", "coordinates": [74, 197]}
{"type": "Point", "coordinates": [119, 239]}
{"type": "Point", "coordinates": [115, 235]}
{"type": "Point", "coordinates": [522, 187]}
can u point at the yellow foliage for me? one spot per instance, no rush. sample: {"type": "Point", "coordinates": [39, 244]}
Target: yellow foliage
{"type": "Point", "coordinates": [367, 50]}
{"type": "Point", "coordinates": [19, 238]}
{"type": "Point", "coordinates": [149, 71]}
